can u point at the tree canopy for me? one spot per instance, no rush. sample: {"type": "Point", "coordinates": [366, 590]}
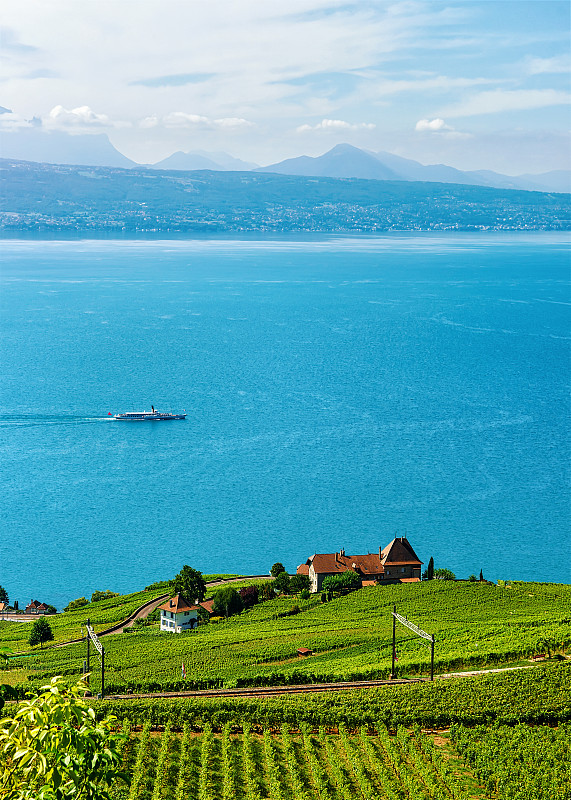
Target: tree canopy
{"type": "Point", "coordinates": [282, 583]}
{"type": "Point", "coordinates": [443, 574]}
{"type": "Point", "coordinates": [276, 569]}
{"type": "Point", "coordinates": [3, 595]}
{"type": "Point", "coordinates": [345, 580]}
{"type": "Point", "coordinates": [190, 583]}
{"type": "Point", "coordinates": [227, 602]}
{"type": "Point", "coordinates": [41, 632]}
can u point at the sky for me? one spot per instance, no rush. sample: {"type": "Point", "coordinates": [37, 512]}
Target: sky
{"type": "Point", "coordinates": [476, 85]}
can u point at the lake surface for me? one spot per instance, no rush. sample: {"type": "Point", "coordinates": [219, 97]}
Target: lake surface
{"type": "Point", "coordinates": [339, 391]}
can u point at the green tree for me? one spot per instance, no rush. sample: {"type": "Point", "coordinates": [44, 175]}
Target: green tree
{"type": "Point", "coordinates": [106, 595]}
{"type": "Point", "coordinates": [227, 602]}
{"type": "Point", "coordinates": [299, 583]}
{"type": "Point", "coordinates": [481, 575]}
{"type": "Point", "coordinates": [266, 591]}
{"type": "Point", "coordinates": [41, 632]}
{"type": "Point", "coordinates": [428, 573]}
{"type": "Point", "coordinates": [53, 748]}
{"type": "Point", "coordinates": [3, 595]}
{"type": "Point", "coordinates": [190, 583]}
{"type": "Point", "coordinates": [277, 569]}
{"type": "Point", "coordinates": [443, 574]}
{"type": "Point", "coordinates": [346, 580]}
{"type": "Point", "coordinates": [282, 583]}
{"type": "Point", "coordinates": [79, 603]}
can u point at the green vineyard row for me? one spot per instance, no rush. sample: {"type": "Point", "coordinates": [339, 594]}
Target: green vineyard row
{"type": "Point", "coordinates": [537, 695]}
{"type": "Point", "coordinates": [368, 763]}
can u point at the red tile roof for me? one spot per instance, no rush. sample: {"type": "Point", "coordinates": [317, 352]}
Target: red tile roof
{"type": "Point", "coordinates": [207, 605]}
{"type": "Point", "coordinates": [399, 551]}
{"type": "Point", "coordinates": [177, 604]}
{"type": "Point", "coordinates": [303, 569]}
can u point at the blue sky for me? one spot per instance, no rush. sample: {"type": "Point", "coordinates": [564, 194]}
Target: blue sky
{"type": "Point", "coordinates": [478, 85]}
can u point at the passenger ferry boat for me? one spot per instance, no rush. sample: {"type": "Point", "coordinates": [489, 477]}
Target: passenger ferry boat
{"type": "Point", "coordinates": [153, 416]}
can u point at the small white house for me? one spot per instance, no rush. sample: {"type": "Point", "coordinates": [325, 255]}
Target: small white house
{"type": "Point", "coordinates": [178, 615]}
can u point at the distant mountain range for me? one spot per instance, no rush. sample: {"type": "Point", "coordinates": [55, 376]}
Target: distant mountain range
{"type": "Point", "coordinates": [346, 161]}
{"type": "Point", "coordinates": [201, 159]}
{"type": "Point", "coordinates": [342, 161]}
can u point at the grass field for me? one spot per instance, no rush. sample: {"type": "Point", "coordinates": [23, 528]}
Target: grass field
{"type": "Point", "coordinates": [474, 624]}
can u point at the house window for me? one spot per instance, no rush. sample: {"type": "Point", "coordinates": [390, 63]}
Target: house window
{"type": "Point", "coordinates": [402, 569]}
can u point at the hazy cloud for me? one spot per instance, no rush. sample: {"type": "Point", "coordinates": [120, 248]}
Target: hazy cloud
{"type": "Point", "coordinates": [180, 119]}
{"type": "Point", "coordinates": [9, 42]}
{"type": "Point", "coordinates": [542, 66]}
{"type": "Point", "coordinates": [182, 79]}
{"type": "Point", "coordinates": [499, 100]}
{"type": "Point", "coordinates": [9, 121]}
{"type": "Point", "coordinates": [83, 116]}
{"type": "Point", "coordinates": [333, 125]}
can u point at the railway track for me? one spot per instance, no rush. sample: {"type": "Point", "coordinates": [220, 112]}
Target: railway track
{"type": "Point", "coordinates": [266, 691]}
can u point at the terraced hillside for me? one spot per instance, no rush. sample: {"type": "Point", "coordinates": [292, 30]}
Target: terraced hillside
{"type": "Point", "coordinates": [475, 625]}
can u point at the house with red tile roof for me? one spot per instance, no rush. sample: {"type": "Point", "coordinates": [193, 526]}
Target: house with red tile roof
{"type": "Point", "coordinates": [178, 615]}
{"type": "Point", "coordinates": [35, 607]}
{"type": "Point", "coordinates": [395, 563]}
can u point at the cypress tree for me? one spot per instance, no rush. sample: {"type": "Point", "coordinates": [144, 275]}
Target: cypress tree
{"type": "Point", "coordinates": [430, 570]}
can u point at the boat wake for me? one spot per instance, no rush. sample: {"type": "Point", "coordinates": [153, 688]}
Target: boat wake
{"type": "Point", "coordinates": [35, 420]}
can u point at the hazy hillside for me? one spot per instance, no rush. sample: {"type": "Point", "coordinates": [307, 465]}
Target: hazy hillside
{"type": "Point", "coordinates": [43, 197]}
{"type": "Point", "coordinates": [58, 147]}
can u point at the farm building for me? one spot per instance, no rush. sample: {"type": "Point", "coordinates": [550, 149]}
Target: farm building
{"type": "Point", "coordinates": [396, 563]}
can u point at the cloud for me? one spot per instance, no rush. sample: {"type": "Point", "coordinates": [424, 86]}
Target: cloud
{"type": "Point", "coordinates": [432, 125]}
{"type": "Point", "coordinates": [182, 79]}
{"type": "Point", "coordinates": [333, 125]}
{"type": "Point", "coordinates": [83, 117]}
{"type": "Point", "coordinates": [10, 121]}
{"type": "Point", "coordinates": [180, 119]}
{"type": "Point", "coordinates": [9, 41]}
{"type": "Point", "coordinates": [499, 100]}
{"type": "Point", "coordinates": [542, 66]}
{"type": "Point", "coordinates": [438, 126]}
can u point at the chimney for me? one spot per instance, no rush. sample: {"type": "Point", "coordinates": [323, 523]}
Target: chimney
{"type": "Point", "coordinates": [380, 552]}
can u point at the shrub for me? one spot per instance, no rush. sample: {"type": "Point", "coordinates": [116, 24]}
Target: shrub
{"type": "Point", "coordinates": [304, 594]}
{"type": "Point", "coordinates": [266, 591]}
{"type": "Point", "coordinates": [249, 595]}
{"type": "Point", "coordinates": [106, 595]}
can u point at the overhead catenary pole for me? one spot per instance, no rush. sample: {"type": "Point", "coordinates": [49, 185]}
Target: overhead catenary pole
{"type": "Point", "coordinates": [100, 649]}
{"type": "Point", "coordinates": [394, 641]}
{"type": "Point", "coordinates": [88, 666]}
{"type": "Point", "coordinates": [416, 630]}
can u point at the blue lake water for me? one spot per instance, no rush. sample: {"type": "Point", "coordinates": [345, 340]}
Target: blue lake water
{"type": "Point", "coordinates": [339, 391]}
